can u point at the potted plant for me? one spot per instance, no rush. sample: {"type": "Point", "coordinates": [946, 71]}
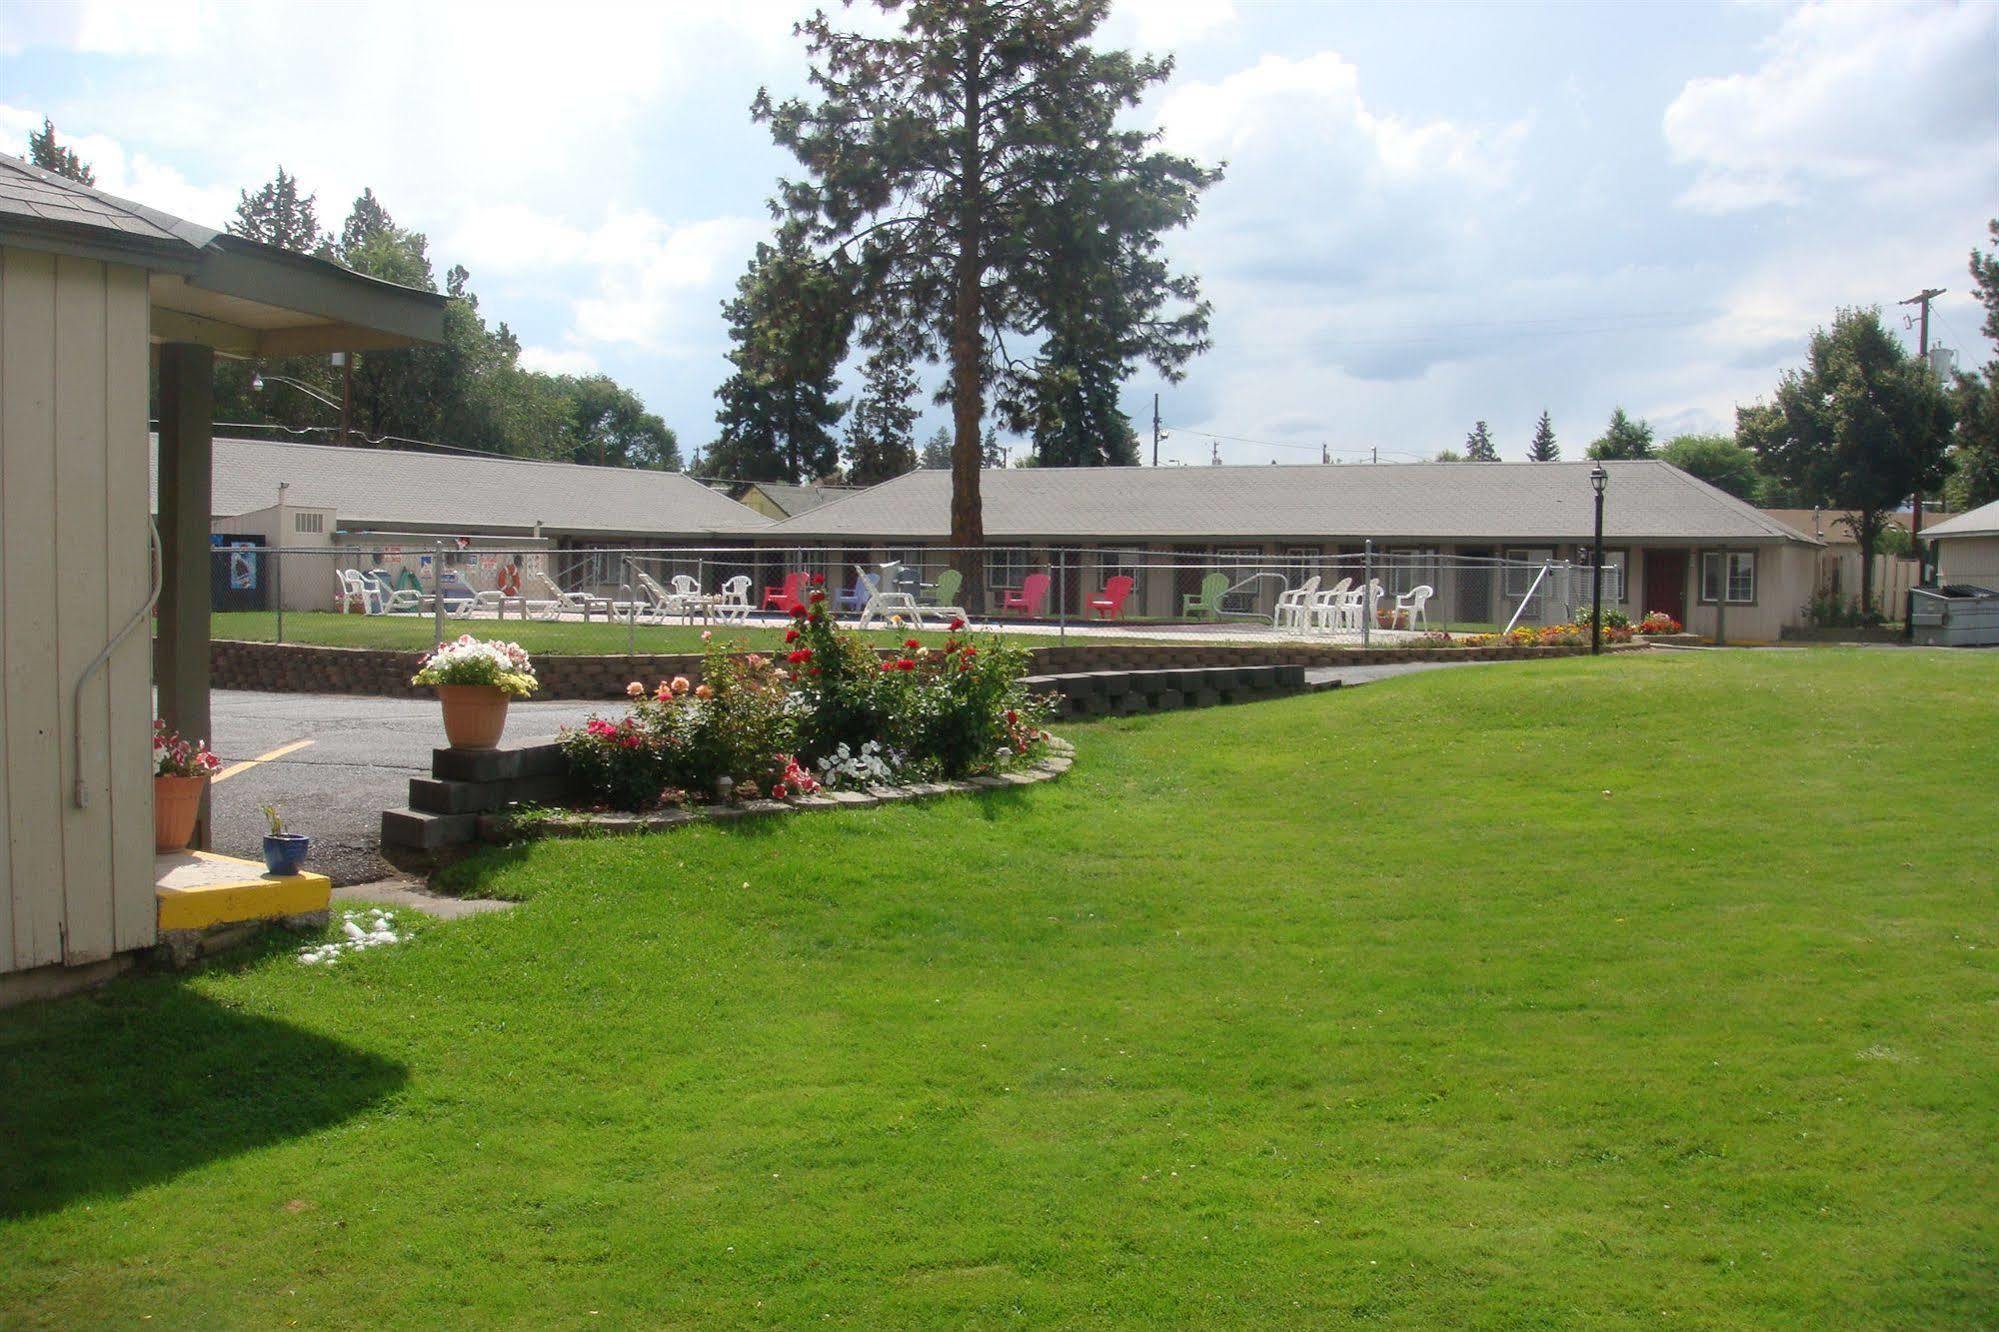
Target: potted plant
{"type": "Point", "coordinates": [474, 681]}
{"type": "Point", "coordinates": [180, 774]}
{"type": "Point", "coordinates": [284, 852]}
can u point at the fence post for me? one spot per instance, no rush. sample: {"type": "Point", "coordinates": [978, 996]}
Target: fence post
{"type": "Point", "coordinates": [278, 590]}
{"type": "Point", "coordinates": [437, 591]}
{"type": "Point", "coordinates": [1367, 594]}
{"type": "Point", "coordinates": [630, 586]}
{"type": "Point", "coordinates": [1061, 595]}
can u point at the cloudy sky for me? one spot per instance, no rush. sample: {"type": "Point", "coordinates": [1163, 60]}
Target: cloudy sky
{"type": "Point", "coordinates": [1432, 214]}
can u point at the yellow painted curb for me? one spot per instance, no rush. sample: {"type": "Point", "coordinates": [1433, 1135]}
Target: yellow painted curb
{"type": "Point", "coordinates": [240, 891]}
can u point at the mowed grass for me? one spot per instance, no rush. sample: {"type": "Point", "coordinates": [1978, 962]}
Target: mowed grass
{"type": "Point", "coordinates": [418, 633]}
{"type": "Point", "coordinates": [1643, 990]}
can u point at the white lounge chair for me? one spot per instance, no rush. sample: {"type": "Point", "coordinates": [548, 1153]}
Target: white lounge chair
{"type": "Point", "coordinates": [660, 604]}
{"type": "Point", "coordinates": [560, 602]}
{"type": "Point", "coordinates": [1291, 605]}
{"type": "Point", "coordinates": [1411, 604]}
{"type": "Point", "coordinates": [880, 603]}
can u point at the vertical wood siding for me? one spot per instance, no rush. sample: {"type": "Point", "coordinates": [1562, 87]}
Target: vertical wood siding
{"type": "Point", "coordinates": [75, 884]}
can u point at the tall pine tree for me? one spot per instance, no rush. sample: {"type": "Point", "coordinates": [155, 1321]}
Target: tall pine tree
{"type": "Point", "coordinates": [1479, 446]}
{"type": "Point", "coordinates": [277, 214]}
{"type": "Point", "coordinates": [1623, 438]}
{"type": "Point", "coordinates": [46, 153]}
{"type": "Point", "coordinates": [930, 159]}
{"type": "Point", "coordinates": [1974, 455]}
{"type": "Point", "coordinates": [789, 320]}
{"type": "Point", "coordinates": [1544, 448]}
{"type": "Point", "coordinates": [881, 440]}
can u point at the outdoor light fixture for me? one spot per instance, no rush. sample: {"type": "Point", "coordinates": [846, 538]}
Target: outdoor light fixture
{"type": "Point", "coordinates": [1598, 478]}
{"type": "Point", "coordinates": [256, 383]}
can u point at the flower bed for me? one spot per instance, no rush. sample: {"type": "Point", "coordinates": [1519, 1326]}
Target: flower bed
{"type": "Point", "coordinates": [830, 711]}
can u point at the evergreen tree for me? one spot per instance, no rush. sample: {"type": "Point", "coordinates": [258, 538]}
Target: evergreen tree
{"type": "Point", "coordinates": [938, 160]}
{"type": "Point", "coordinates": [937, 449]}
{"type": "Point", "coordinates": [790, 322]}
{"type": "Point", "coordinates": [1974, 455]}
{"type": "Point", "coordinates": [278, 215]}
{"type": "Point", "coordinates": [1862, 426]}
{"type": "Point", "coordinates": [366, 219]}
{"type": "Point", "coordinates": [881, 442]}
{"type": "Point", "coordinates": [1623, 438]}
{"type": "Point", "coordinates": [1544, 448]}
{"type": "Point", "coordinates": [1069, 407]}
{"type": "Point", "coordinates": [46, 153]}
{"type": "Point", "coordinates": [1479, 446]}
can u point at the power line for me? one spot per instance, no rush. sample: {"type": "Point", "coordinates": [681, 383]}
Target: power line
{"type": "Point", "coordinates": [1320, 449]}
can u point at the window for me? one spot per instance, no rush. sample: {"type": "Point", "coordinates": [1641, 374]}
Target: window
{"type": "Point", "coordinates": [1615, 564]}
{"type": "Point", "coordinates": [1006, 566]}
{"type": "Point", "coordinates": [1111, 563]}
{"type": "Point", "coordinates": [1403, 571]}
{"type": "Point", "coordinates": [1730, 570]}
{"type": "Point", "coordinates": [308, 522]}
{"type": "Point", "coordinates": [1238, 563]}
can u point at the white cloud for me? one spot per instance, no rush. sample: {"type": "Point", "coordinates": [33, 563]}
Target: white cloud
{"type": "Point", "coordinates": [657, 284]}
{"type": "Point", "coordinates": [1846, 93]}
{"type": "Point", "coordinates": [1169, 24]}
{"type": "Point", "coordinates": [559, 360]}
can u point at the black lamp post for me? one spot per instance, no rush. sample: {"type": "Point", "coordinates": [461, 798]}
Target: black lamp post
{"type": "Point", "coordinates": [1597, 477]}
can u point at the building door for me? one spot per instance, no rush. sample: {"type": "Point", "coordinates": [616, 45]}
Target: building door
{"type": "Point", "coordinates": [1666, 583]}
{"type": "Point", "coordinates": [1474, 587]}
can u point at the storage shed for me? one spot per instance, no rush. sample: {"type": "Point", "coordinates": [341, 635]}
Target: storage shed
{"type": "Point", "coordinates": [96, 293]}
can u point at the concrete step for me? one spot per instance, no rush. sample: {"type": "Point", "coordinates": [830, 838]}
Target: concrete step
{"type": "Point", "coordinates": [420, 830]}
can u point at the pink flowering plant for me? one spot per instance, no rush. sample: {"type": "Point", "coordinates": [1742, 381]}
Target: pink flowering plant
{"type": "Point", "coordinates": [470, 661]}
{"type": "Point", "coordinates": [177, 757]}
{"type": "Point", "coordinates": [680, 739]}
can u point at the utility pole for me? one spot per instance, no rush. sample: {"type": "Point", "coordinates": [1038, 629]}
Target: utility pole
{"type": "Point", "coordinates": [1375, 453]}
{"type": "Point", "coordinates": [1921, 300]}
{"type": "Point", "coordinates": [1155, 430]}
{"type": "Point", "coordinates": [1325, 454]}
{"type": "Point", "coordinates": [1215, 453]}
{"type": "Point", "coordinates": [345, 360]}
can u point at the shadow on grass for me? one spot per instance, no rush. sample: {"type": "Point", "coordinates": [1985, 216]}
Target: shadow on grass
{"type": "Point", "coordinates": [110, 1093]}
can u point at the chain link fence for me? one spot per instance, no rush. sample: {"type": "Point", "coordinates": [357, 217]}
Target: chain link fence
{"type": "Point", "coordinates": [609, 600]}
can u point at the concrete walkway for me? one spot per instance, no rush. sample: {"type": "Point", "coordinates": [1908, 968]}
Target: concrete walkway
{"type": "Point", "coordinates": [413, 896]}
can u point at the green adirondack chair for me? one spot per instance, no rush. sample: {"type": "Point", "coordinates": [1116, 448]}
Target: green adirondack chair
{"type": "Point", "coordinates": [1208, 601]}
{"type": "Point", "coordinates": [946, 591]}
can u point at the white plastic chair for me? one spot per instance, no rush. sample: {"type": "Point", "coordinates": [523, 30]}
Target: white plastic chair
{"type": "Point", "coordinates": [735, 601]}
{"type": "Point", "coordinates": [1324, 610]}
{"type": "Point", "coordinates": [1289, 612]}
{"type": "Point", "coordinates": [1411, 604]}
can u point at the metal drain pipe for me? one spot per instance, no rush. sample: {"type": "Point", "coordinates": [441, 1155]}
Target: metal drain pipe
{"type": "Point", "coordinates": [81, 793]}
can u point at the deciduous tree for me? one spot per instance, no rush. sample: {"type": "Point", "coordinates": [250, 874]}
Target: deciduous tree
{"type": "Point", "coordinates": [1862, 426]}
{"type": "Point", "coordinates": [1717, 460]}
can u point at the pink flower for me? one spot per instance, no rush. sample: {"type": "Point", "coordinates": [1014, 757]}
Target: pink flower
{"type": "Point", "coordinates": [680, 685]}
{"type": "Point", "coordinates": [707, 634]}
{"type": "Point", "coordinates": [635, 690]}
{"type": "Point", "coordinates": [703, 691]}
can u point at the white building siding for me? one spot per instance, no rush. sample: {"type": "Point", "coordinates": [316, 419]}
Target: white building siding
{"type": "Point", "coordinates": [76, 885]}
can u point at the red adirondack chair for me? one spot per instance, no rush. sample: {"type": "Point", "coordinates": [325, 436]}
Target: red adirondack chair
{"type": "Point", "coordinates": [1029, 597]}
{"type": "Point", "coordinates": [784, 599]}
{"type": "Point", "coordinates": [1109, 603]}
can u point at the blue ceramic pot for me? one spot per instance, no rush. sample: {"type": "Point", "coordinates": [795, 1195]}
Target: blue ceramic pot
{"type": "Point", "coordinates": [284, 853]}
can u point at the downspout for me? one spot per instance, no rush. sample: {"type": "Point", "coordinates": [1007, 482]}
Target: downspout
{"type": "Point", "coordinates": [81, 793]}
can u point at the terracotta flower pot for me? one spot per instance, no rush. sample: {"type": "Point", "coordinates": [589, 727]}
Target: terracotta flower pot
{"type": "Point", "coordinates": [474, 715]}
{"type": "Point", "coordinates": [176, 805]}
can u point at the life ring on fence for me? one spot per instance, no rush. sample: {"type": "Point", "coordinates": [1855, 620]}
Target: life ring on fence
{"type": "Point", "coordinates": [510, 580]}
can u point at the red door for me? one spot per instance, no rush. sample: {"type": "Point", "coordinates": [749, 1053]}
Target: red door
{"type": "Point", "coordinates": [1666, 583]}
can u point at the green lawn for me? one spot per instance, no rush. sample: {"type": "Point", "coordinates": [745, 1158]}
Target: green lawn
{"type": "Point", "coordinates": [591, 638]}
{"type": "Point", "coordinates": [1638, 990]}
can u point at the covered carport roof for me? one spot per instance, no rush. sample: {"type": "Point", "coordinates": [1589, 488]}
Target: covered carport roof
{"type": "Point", "coordinates": [241, 297]}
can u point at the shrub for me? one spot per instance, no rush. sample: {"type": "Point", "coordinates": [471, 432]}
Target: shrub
{"type": "Point", "coordinates": [681, 738]}
{"type": "Point", "coordinates": [1613, 618]}
{"type": "Point", "coordinates": [1830, 611]}
{"type": "Point", "coordinates": [1658, 622]}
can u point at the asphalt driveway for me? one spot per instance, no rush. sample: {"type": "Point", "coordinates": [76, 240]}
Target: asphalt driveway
{"type": "Point", "coordinates": [333, 763]}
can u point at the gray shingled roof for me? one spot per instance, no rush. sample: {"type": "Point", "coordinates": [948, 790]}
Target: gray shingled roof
{"type": "Point", "coordinates": [1408, 501]}
{"type": "Point", "coordinates": [390, 490]}
{"type": "Point", "coordinates": [795, 500]}
{"type": "Point", "coordinates": [38, 200]}
{"type": "Point", "coordinates": [1981, 521]}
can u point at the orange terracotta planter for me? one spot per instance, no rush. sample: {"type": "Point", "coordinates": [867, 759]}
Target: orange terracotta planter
{"type": "Point", "coordinates": [474, 715]}
{"type": "Point", "coordinates": [176, 806]}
